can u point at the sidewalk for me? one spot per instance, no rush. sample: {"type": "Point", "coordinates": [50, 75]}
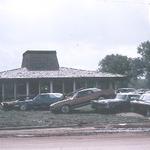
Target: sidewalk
{"type": "Point", "coordinates": [70, 131]}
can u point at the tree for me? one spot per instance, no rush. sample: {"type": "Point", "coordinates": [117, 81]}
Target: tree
{"type": "Point", "coordinates": [144, 51]}
{"type": "Point", "coordinates": [115, 64]}
{"type": "Point", "coordinates": [131, 67]}
{"type": "Point", "coordinates": [137, 68]}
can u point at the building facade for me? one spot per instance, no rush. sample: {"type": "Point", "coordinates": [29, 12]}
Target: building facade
{"type": "Point", "coordinates": [40, 72]}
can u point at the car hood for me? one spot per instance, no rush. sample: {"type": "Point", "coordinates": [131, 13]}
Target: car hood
{"type": "Point", "coordinates": [11, 102]}
{"type": "Point", "coordinates": [17, 102]}
{"type": "Point", "coordinates": [141, 102]}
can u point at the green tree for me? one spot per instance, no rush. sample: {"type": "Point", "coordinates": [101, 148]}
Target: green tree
{"type": "Point", "coordinates": [137, 68]}
{"type": "Point", "coordinates": [116, 64]}
{"type": "Point", "coordinates": [131, 67]}
{"type": "Point", "coordinates": [144, 51]}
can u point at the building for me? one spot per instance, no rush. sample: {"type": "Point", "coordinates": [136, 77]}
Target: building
{"type": "Point", "coordinates": [40, 72]}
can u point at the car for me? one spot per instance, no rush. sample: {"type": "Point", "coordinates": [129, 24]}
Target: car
{"type": "Point", "coordinates": [41, 101]}
{"type": "Point", "coordinates": [142, 91]}
{"type": "Point", "coordinates": [125, 90]}
{"type": "Point", "coordinates": [80, 98]}
{"type": "Point", "coordinates": [142, 106]}
{"type": "Point", "coordinates": [120, 104]}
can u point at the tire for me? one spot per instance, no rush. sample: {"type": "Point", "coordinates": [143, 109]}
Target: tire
{"type": "Point", "coordinates": [65, 109]}
{"type": "Point", "coordinates": [23, 107]}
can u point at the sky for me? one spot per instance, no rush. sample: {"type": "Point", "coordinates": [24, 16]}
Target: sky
{"type": "Point", "coordinates": [82, 32]}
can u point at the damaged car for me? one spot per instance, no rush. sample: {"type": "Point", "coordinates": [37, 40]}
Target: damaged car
{"type": "Point", "coordinates": [40, 102]}
{"type": "Point", "coordinates": [120, 104]}
{"type": "Point", "coordinates": [125, 90]}
{"type": "Point", "coordinates": [80, 98]}
{"type": "Point", "coordinates": [142, 106]}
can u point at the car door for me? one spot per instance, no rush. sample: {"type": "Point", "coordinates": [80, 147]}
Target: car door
{"type": "Point", "coordinates": [125, 107]}
{"type": "Point", "coordinates": [54, 98]}
{"type": "Point", "coordinates": [83, 97]}
{"type": "Point", "coordinates": [42, 102]}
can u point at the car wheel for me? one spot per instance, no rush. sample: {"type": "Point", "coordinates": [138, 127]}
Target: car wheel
{"type": "Point", "coordinates": [23, 107]}
{"type": "Point", "coordinates": [65, 109]}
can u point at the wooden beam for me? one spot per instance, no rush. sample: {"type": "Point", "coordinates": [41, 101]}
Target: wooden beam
{"type": "Point", "coordinates": [27, 89]}
{"type": "Point", "coordinates": [63, 87]}
{"type": "Point", "coordinates": [51, 86]}
{"type": "Point", "coordinates": [3, 91]}
{"type": "Point", "coordinates": [74, 85]}
{"type": "Point", "coordinates": [39, 87]}
{"type": "Point", "coordinates": [15, 91]}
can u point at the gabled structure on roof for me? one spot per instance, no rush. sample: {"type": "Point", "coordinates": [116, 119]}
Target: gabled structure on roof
{"type": "Point", "coordinates": [40, 72]}
{"type": "Point", "coordinates": [40, 60]}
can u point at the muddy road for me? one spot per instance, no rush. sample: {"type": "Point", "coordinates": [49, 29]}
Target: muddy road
{"type": "Point", "coordinates": [96, 142]}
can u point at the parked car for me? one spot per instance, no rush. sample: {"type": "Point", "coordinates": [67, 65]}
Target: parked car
{"type": "Point", "coordinates": [142, 91]}
{"type": "Point", "coordinates": [41, 101]}
{"type": "Point", "coordinates": [142, 106]}
{"type": "Point", "coordinates": [120, 104]}
{"type": "Point", "coordinates": [80, 98]}
{"type": "Point", "coordinates": [125, 90]}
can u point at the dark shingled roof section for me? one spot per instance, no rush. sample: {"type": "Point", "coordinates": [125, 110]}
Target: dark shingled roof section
{"type": "Point", "coordinates": [24, 73]}
{"type": "Point", "coordinates": [40, 60]}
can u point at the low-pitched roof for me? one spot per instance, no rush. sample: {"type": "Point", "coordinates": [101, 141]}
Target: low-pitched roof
{"type": "Point", "coordinates": [24, 73]}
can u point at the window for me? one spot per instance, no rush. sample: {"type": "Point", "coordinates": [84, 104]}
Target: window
{"type": "Point", "coordinates": [84, 93]}
{"type": "Point", "coordinates": [42, 98]}
{"type": "Point", "coordinates": [133, 97]}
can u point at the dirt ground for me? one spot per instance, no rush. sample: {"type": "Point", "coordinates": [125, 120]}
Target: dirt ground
{"type": "Point", "coordinates": [94, 142]}
{"type": "Point", "coordinates": [79, 118]}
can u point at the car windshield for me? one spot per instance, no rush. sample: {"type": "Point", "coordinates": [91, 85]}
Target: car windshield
{"type": "Point", "coordinates": [121, 96]}
{"type": "Point", "coordinates": [127, 97]}
{"type": "Point", "coordinates": [52, 95]}
{"type": "Point", "coordinates": [56, 95]}
{"type": "Point", "coordinates": [36, 97]}
{"type": "Point", "coordinates": [145, 97]}
{"type": "Point", "coordinates": [133, 97]}
{"type": "Point", "coordinates": [125, 90]}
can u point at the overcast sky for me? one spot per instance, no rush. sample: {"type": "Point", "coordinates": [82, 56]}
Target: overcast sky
{"type": "Point", "coordinates": [81, 31]}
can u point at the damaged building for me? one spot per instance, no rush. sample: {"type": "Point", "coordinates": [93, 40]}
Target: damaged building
{"type": "Point", "coordinates": [40, 72]}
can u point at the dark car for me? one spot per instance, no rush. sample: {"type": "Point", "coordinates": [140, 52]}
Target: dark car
{"type": "Point", "coordinates": [80, 98]}
{"type": "Point", "coordinates": [142, 91]}
{"type": "Point", "coordinates": [41, 101]}
{"type": "Point", "coordinates": [125, 90]}
{"type": "Point", "coordinates": [120, 104]}
{"type": "Point", "coordinates": [142, 106]}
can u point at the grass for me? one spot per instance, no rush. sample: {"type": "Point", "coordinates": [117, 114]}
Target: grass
{"type": "Point", "coordinates": [81, 117]}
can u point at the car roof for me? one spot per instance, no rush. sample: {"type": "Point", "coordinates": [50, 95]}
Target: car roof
{"type": "Point", "coordinates": [126, 88]}
{"type": "Point", "coordinates": [51, 94]}
{"type": "Point", "coordinates": [92, 89]}
{"type": "Point", "coordinates": [130, 93]}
